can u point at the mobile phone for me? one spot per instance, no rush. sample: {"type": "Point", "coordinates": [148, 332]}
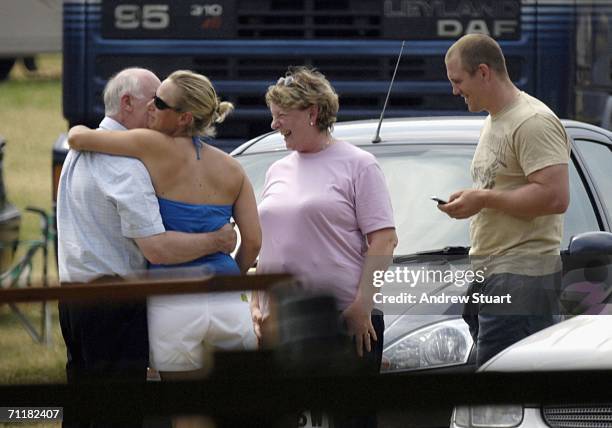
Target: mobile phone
{"type": "Point", "coordinates": [438, 200]}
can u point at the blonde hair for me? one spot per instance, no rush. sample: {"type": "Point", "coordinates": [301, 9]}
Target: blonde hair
{"type": "Point", "coordinates": [476, 49]}
{"type": "Point", "coordinates": [303, 87]}
{"type": "Point", "coordinates": [198, 96]}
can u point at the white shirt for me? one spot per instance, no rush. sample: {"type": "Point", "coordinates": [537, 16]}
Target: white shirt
{"type": "Point", "coordinates": [103, 203]}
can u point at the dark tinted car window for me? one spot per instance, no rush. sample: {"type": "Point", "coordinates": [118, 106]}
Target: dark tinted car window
{"type": "Point", "coordinates": [599, 160]}
{"type": "Point", "coordinates": [580, 215]}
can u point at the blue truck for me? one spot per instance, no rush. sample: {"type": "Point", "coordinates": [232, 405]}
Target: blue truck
{"type": "Point", "coordinates": [557, 50]}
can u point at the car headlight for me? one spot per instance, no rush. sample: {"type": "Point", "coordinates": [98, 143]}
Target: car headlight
{"type": "Point", "coordinates": [498, 416]}
{"type": "Point", "coordinates": [445, 343]}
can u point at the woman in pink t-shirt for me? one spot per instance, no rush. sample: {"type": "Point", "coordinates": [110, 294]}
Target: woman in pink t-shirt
{"type": "Point", "coordinates": [325, 212]}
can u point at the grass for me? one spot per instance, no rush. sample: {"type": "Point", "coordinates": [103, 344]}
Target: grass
{"type": "Point", "coordinates": [30, 121]}
{"type": "Point", "coordinates": [22, 360]}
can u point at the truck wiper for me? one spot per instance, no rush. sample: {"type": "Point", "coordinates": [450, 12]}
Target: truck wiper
{"type": "Point", "coordinates": [446, 251]}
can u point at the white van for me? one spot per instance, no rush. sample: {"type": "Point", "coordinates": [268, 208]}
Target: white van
{"type": "Point", "coordinates": [28, 28]}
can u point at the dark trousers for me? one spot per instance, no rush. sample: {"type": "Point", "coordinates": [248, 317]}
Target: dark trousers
{"type": "Point", "coordinates": [105, 340]}
{"type": "Point", "coordinates": [373, 359]}
{"type": "Point", "coordinates": [533, 306]}
{"type": "Point", "coordinates": [371, 363]}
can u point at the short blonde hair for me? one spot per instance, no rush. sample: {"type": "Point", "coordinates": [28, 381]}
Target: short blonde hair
{"type": "Point", "coordinates": [303, 87]}
{"type": "Point", "coordinates": [199, 97]}
{"type": "Point", "coordinates": [476, 49]}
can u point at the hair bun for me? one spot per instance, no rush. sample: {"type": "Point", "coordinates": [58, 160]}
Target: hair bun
{"type": "Point", "coordinates": [223, 109]}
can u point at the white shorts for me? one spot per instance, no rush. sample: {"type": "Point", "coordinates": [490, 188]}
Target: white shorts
{"type": "Point", "coordinates": [183, 327]}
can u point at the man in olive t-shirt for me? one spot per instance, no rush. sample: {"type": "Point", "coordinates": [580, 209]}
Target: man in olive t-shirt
{"type": "Point", "coordinates": [520, 192]}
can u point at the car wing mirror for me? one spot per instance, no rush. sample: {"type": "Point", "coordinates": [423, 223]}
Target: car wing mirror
{"type": "Point", "coordinates": [592, 243]}
{"type": "Point", "coordinates": [587, 273]}
{"type": "Point", "coordinates": [591, 251]}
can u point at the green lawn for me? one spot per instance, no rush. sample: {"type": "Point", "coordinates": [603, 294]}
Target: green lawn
{"type": "Point", "coordinates": [30, 121]}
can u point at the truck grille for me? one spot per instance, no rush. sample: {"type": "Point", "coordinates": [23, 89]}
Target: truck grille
{"type": "Point", "coordinates": [309, 19]}
{"type": "Point", "coordinates": [578, 416]}
{"type": "Point", "coordinates": [267, 69]}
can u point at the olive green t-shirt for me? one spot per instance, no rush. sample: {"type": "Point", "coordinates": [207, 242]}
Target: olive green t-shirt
{"type": "Point", "coordinates": [521, 139]}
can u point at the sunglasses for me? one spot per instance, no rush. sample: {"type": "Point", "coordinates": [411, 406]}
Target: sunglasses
{"type": "Point", "coordinates": [162, 105]}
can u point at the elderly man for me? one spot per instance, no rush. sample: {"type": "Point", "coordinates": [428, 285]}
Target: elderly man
{"type": "Point", "coordinates": [521, 190]}
{"type": "Point", "coordinates": [109, 225]}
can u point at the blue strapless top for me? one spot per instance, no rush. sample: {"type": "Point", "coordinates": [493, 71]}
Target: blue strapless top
{"type": "Point", "coordinates": [183, 217]}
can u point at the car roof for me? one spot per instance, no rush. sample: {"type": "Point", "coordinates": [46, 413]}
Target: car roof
{"type": "Point", "coordinates": [417, 130]}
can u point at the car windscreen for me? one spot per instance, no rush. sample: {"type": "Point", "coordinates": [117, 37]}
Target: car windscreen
{"type": "Point", "coordinates": [414, 174]}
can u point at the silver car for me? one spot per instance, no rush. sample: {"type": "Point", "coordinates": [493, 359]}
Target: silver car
{"type": "Point", "coordinates": [424, 157]}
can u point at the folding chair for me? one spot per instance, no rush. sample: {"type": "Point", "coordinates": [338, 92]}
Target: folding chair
{"type": "Point", "coordinates": [19, 274]}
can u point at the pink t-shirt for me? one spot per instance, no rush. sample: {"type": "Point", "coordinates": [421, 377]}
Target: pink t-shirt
{"type": "Point", "coordinates": [315, 212]}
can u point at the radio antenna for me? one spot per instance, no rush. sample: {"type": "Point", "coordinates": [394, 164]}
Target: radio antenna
{"type": "Point", "coordinates": [382, 113]}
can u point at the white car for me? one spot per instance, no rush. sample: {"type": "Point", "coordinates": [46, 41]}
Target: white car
{"type": "Point", "coordinates": [580, 343]}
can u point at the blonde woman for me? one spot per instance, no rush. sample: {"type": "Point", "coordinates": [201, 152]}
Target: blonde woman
{"type": "Point", "coordinates": [199, 188]}
{"type": "Point", "coordinates": [326, 214]}
{"type": "Point", "coordinates": [325, 210]}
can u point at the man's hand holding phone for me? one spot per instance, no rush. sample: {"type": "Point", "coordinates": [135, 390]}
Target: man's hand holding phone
{"type": "Point", "coordinates": [438, 200]}
{"type": "Point", "coordinates": [464, 203]}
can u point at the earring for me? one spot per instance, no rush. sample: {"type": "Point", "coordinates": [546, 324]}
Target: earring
{"type": "Point", "coordinates": [311, 124]}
